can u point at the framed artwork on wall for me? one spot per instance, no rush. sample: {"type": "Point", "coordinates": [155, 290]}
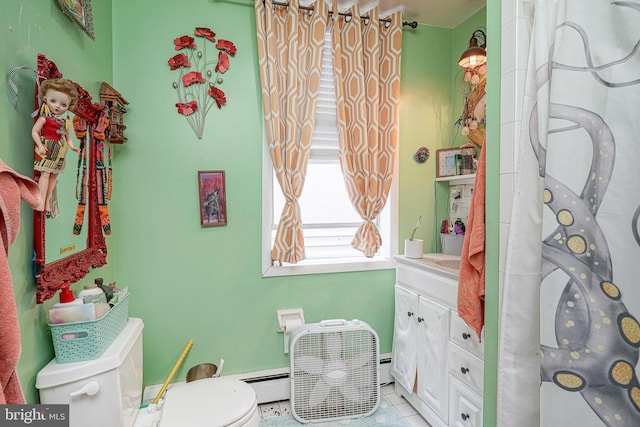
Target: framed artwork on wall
{"type": "Point", "coordinates": [446, 161]}
{"type": "Point", "coordinates": [79, 11]}
{"type": "Point", "coordinates": [212, 195]}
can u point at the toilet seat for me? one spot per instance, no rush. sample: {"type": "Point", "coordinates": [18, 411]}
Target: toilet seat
{"type": "Point", "coordinates": [211, 402]}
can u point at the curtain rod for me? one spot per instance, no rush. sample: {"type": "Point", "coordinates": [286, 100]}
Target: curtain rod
{"type": "Point", "coordinates": [412, 24]}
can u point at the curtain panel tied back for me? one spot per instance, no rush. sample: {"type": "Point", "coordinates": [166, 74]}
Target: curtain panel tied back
{"type": "Point", "coordinates": [367, 78]}
{"type": "Point", "coordinates": [290, 45]}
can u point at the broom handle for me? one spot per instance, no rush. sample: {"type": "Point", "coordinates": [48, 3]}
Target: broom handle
{"type": "Point", "coordinates": [173, 371]}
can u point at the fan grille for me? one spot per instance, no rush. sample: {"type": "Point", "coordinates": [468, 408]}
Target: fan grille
{"type": "Point", "coordinates": [334, 375]}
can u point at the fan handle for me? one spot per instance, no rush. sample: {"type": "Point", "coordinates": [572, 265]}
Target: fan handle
{"type": "Point", "coordinates": [333, 322]}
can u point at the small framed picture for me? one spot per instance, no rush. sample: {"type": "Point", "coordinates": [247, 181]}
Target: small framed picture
{"type": "Point", "coordinates": [79, 11]}
{"type": "Point", "coordinates": [446, 161]}
{"type": "Point", "coordinates": [213, 205]}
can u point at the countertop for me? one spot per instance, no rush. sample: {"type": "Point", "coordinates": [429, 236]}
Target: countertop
{"type": "Point", "coordinates": [442, 264]}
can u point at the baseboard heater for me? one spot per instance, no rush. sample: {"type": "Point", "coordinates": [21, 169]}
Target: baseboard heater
{"type": "Point", "coordinates": [277, 386]}
{"type": "Point", "coordinates": [274, 384]}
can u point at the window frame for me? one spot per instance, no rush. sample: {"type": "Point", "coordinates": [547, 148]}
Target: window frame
{"type": "Point", "coordinates": [388, 232]}
{"type": "Point", "coordinates": [388, 227]}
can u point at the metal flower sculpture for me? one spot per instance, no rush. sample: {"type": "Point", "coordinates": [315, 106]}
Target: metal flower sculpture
{"type": "Point", "coordinates": [197, 87]}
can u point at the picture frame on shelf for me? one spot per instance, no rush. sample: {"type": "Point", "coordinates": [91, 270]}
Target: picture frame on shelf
{"type": "Point", "coordinates": [79, 11]}
{"type": "Point", "coordinates": [212, 195]}
{"type": "Point", "coordinates": [446, 161]}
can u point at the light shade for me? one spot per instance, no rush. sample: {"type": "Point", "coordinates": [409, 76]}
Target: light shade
{"type": "Point", "coordinates": [475, 55]}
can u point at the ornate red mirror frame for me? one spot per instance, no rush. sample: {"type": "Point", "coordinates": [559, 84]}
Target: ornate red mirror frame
{"type": "Point", "coordinates": [76, 266]}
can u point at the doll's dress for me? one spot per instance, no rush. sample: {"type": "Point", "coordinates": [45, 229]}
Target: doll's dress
{"type": "Point", "coordinates": [52, 137]}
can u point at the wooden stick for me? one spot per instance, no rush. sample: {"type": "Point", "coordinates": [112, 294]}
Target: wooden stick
{"type": "Point", "coordinates": [173, 371]}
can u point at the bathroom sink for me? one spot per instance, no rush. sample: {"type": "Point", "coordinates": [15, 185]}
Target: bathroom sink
{"type": "Point", "coordinates": [449, 263]}
{"type": "Point", "coordinates": [439, 262]}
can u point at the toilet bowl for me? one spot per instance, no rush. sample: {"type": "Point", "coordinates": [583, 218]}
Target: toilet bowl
{"type": "Point", "coordinates": [211, 402]}
{"type": "Point", "coordinates": [107, 392]}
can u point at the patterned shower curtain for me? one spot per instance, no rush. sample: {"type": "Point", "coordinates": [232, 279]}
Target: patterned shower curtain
{"type": "Point", "coordinates": [367, 56]}
{"type": "Point", "coordinates": [290, 45]}
{"type": "Point", "coordinates": [569, 331]}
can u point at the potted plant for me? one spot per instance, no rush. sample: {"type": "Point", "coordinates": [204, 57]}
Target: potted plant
{"type": "Point", "coordinates": [414, 248]}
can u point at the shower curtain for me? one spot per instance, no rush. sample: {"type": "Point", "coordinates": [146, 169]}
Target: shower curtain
{"type": "Point", "coordinates": [569, 331]}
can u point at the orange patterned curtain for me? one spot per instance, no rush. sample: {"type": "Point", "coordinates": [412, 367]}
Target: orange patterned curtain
{"type": "Point", "coordinates": [367, 75]}
{"type": "Point", "coordinates": [290, 44]}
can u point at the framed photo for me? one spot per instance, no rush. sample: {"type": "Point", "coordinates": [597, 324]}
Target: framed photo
{"type": "Point", "coordinates": [213, 205]}
{"type": "Point", "coordinates": [79, 11]}
{"type": "Point", "coordinates": [446, 161]}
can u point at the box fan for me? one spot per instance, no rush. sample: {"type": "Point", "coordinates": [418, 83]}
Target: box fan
{"type": "Point", "coordinates": [334, 371]}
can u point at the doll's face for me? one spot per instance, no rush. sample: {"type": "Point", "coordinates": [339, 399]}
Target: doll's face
{"type": "Point", "coordinates": [58, 102]}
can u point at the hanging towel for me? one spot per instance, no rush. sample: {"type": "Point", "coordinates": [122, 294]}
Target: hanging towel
{"type": "Point", "coordinates": [471, 278]}
{"type": "Point", "coordinates": [13, 187]}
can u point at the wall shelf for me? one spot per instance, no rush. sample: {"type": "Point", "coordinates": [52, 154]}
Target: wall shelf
{"type": "Point", "coordinates": [459, 179]}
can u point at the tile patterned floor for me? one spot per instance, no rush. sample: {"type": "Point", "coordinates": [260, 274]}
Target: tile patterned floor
{"type": "Point", "coordinates": [277, 409]}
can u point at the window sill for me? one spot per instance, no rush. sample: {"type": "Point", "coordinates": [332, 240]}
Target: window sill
{"type": "Point", "coordinates": [338, 265]}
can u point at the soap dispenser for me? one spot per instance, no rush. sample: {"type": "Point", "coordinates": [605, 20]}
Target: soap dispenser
{"type": "Point", "coordinates": [67, 298]}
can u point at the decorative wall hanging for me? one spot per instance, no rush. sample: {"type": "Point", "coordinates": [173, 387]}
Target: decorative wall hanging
{"type": "Point", "coordinates": [197, 85]}
{"type": "Point", "coordinates": [103, 168]}
{"type": "Point", "coordinates": [79, 11]}
{"type": "Point", "coordinates": [212, 193]}
{"type": "Point", "coordinates": [422, 155]}
{"type": "Point", "coordinates": [117, 107]}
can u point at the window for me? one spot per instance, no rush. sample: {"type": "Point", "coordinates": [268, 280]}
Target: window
{"type": "Point", "coordinates": [330, 222]}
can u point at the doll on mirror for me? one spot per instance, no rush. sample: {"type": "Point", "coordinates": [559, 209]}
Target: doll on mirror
{"type": "Point", "coordinates": [51, 136]}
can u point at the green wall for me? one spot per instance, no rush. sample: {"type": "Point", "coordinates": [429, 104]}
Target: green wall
{"type": "Point", "coordinates": [492, 213]}
{"type": "Point", "coordinates": [204, 283]}
{"type": "Point", "coordinates": [189, 282]}
{"type": "Point", "coordinates": [425, 120]}
{"type": "Point", "coordinates": [30, 28]}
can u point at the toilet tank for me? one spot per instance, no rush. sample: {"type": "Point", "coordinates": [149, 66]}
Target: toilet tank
{"type": "Point", "coordinates": [103, 392]}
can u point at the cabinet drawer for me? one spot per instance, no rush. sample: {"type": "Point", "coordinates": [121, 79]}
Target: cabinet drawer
{"type": "Point", "coordinates": [466, 367]}
{"type": "Point", "coordinates": [440, 289]}
{"type": "Point", "coordinates": [465, 337]}
{"type": "Point", "coordinates": [465, 406]}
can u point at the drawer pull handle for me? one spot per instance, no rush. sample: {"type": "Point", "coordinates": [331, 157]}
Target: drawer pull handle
{"type": "Point", "coordinates": [466, 336]}
{"type": "Point", "coordinates": [409, 313]}
{"type": "Point", "coordinates": [464, 370]}
{"type": "Point", "coordinates": [464, 416]}
{"type": "Point", "coordinates": [420, 319]}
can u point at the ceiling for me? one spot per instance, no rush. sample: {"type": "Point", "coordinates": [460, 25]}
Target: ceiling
{"type": "Point", "coordinates": [438, 13]}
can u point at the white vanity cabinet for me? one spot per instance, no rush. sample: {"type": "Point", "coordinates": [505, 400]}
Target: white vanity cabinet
{"type": "Point", "coordinates": [437, 360]}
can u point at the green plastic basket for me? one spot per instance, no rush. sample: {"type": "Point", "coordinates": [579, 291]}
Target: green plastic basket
{"type": "Point", "coordinates": [80, 341]}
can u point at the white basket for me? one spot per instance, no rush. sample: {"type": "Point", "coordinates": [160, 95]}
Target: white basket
{"type": "Point", "coordinates": [81, 341]}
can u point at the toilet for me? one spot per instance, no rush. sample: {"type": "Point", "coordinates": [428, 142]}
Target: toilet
{"type": "Point", "coordinates": [107, 392]}
{"type": "Point", "coordinates": [210, 402]}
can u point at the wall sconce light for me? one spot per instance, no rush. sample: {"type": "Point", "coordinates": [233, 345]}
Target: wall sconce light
{"type": "Point", "coordinates": [476, 54]}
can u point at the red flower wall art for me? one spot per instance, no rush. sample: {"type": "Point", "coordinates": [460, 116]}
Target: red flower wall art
{"type": "Point", "coordinates": [197, 85]}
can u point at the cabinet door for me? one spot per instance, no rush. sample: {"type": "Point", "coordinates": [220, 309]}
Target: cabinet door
{"type": "Point", "coordinates": [404, 357]}
{"type": "Point", "coordinates": [433, 339]}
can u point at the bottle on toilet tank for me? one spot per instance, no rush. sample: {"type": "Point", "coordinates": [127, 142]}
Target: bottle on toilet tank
{"type": "Point", "coordinates": [92, 294]}
{"type": "Point", "coordinates": [67, 298]}
{"type": "Point", "coordinates": [108, 291]}
{"type": "Point", "coordinates": [70, 308]}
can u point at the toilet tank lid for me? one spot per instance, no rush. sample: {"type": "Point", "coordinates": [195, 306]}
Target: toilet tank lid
{"type": "Point", "coordinates": [56, 374]}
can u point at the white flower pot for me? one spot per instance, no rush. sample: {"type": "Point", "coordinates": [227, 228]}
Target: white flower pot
{"type": "Point", "coordinates": [413, 248]}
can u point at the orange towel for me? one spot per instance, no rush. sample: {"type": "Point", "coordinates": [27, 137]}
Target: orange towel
{"type": "Point", "coordinates": [472, 272]}
{"type": "Point", "coordinates": [13, 187]}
